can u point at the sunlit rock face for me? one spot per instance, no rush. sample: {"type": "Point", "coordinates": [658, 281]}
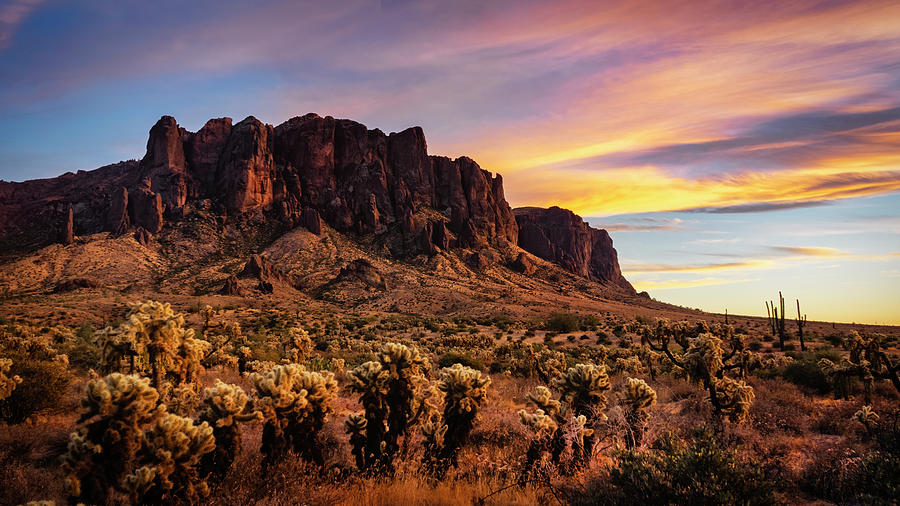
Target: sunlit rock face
{"type": "Point", "coordinates": [310, 172]}
{"type": "Point", "coordinates": [562, 237]}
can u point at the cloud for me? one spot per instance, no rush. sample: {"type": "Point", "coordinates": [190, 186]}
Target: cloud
{"type": "Point", "coordinates": [809, 251]}
{"type": "Point", "coordinates": [760, 207]}
{"type": "Point", "coordinates": [684, 283]}
{"type": "Point", "coordinates": [645, 268]}
{"type": "Point", "coordinates": [13, 14]}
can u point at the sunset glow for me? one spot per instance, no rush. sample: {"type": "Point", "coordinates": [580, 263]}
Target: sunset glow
{"type": "Point", "coordinates": [732, 149]}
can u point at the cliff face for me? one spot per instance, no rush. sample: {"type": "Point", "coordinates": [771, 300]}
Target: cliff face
{"type": "Point", "coordinates": [562, 237]}
{"type": "Point", "coordinates": [307, 172]}
{"type": "Point", "coordinates": [302, 171]}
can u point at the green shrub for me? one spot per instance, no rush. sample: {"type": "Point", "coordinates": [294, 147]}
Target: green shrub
{"type": "Point", "coordinates": [453, 357]}
{"type": "Point", "coordinates": [676, 472]}
{"type": "Point", "coordinates": [43, 383]}
{"type": "Point", "coordinates": [562, 322]}
{"type": "Point", "coordinates": [804, 370]}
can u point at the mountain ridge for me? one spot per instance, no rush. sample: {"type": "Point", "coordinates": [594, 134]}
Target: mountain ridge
{"type": "Point", "coordinates": [309, 171]}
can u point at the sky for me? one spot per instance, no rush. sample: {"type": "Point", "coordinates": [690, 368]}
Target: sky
{"type": "Point", "coordinates": [732, 148]}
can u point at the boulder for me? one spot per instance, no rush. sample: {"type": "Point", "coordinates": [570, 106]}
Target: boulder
{"type": "Point", "coordinates": [362, 270]}
{"type": "Point", "coordinates": [523, 264]}
{"type": "Point", "coordinates": [231, 287]}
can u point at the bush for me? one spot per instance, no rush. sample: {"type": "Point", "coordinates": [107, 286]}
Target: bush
{"type": "Point", "coordinates": [43, 384]}
{"type": "Point", "coordinates": [562, 322]}
{"type": "Point", "coordinates": [804, 371]}
{"type": "Point", "coordinates": [677, 472]}
{"type": "Point", "coordinates": [453, 357]}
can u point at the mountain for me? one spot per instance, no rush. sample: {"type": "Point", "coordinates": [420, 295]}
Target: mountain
{"type": "Point", "coordinates": [308, 197]}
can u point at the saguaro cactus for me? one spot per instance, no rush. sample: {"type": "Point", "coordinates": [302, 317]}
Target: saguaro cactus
{"type": "Point", "coordinates": [639, 398]}
{"type": "Point", "coordinates": [465, 390]}
{"type": "Point", "coordinates": [101, 451]}
{"type": "Point", "coordinates": [173, 448]}
{"type": "Point", "coordinates": [393, 394]}
{"type": "Point", "coordinates": [225, 407]}
{"type": "Point", "coordinates": [295, 404]}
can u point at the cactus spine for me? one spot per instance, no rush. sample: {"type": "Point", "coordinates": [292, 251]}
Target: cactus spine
{"type": "Point", "coordinates": [172, 450]}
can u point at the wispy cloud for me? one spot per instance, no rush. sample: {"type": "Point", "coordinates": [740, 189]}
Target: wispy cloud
{"type": "Point", "coordinates": [809, 251]}
{"type": "Point", "coordinates": [13, 14]}
{"type": "Point", "coordinates": [685, 283]}
{"type": "Point", "coordinates": [645, 268]}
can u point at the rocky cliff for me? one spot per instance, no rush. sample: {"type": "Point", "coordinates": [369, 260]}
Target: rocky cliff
{"type": "Point", "coordinates": [562, 237]}
{"type": "Point", "coordinates": [307, 170]}
{"type": "Point", "coordinates": [310, 171]}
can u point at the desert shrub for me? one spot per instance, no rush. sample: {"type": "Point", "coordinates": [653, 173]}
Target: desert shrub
{"type": "Point", "coordinates": [562, 322]}
{"type": "Point", "coordinates": [33, 385]}
{"type": "Point", "coordinates": [453, 357]}
{"type": "Point", "coordinates": [804, 371]}
{"type": "Point", "coordinates": [672, 471]}
{"type": "Point", "coordinates": [868, 477]}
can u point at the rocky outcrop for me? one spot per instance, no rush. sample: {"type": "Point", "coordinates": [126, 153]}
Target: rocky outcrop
{"type": "Point", "coordinates": [310, 171]}
{"type": "Point", "coordinates": [231, 287]}
{"type": "Point", "coordinates": [261, 268]}
{"type": "Point", "coordinates": [164, 165]}
{"type": "Point", "coordinates": [523, 264]}
{"type": "Point", "coordinates": [304, 172]}
{"type": "Point", "coordinates": [562, 237]}
{"type": "Point", "coordinates": [361, 270]}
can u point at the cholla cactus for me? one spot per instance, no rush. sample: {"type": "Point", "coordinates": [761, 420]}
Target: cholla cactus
{"type": "Point", "coordinates": [225, 407]}
{"type": "Point", "coordinates": [393, 394]}
{"type": "Point", "coordinates": [629, 365]}
{"type": "Point", "coordinates": [7, 383]}
{"type": "Point", "coordinates": [734, 398]}
{"type": "Point", "coordinates": [298, 345]}
{"type": "Point", "coordinates": [465, 390]}
{"type": "Point", "coordinates": [639, 398]}
{"type": "Point", "coordinates": [583, 388]}
{"type": "Point", "coordinates": [154, 335]}
{"type": "Point", "coordinates": [100, 452]}
{"type": "Point", "coordinates": [295, 404]}
{"type": "Point", "coordinates": [867, 361]}
{"type": "Point", "coordinates": [172, 451]}
{"type": "Point", "coordinates": [703, 357]}
{"type": "Point", "coordinates": [868, 417]}
{"type": "Point", "coordinates": [548, 363]}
